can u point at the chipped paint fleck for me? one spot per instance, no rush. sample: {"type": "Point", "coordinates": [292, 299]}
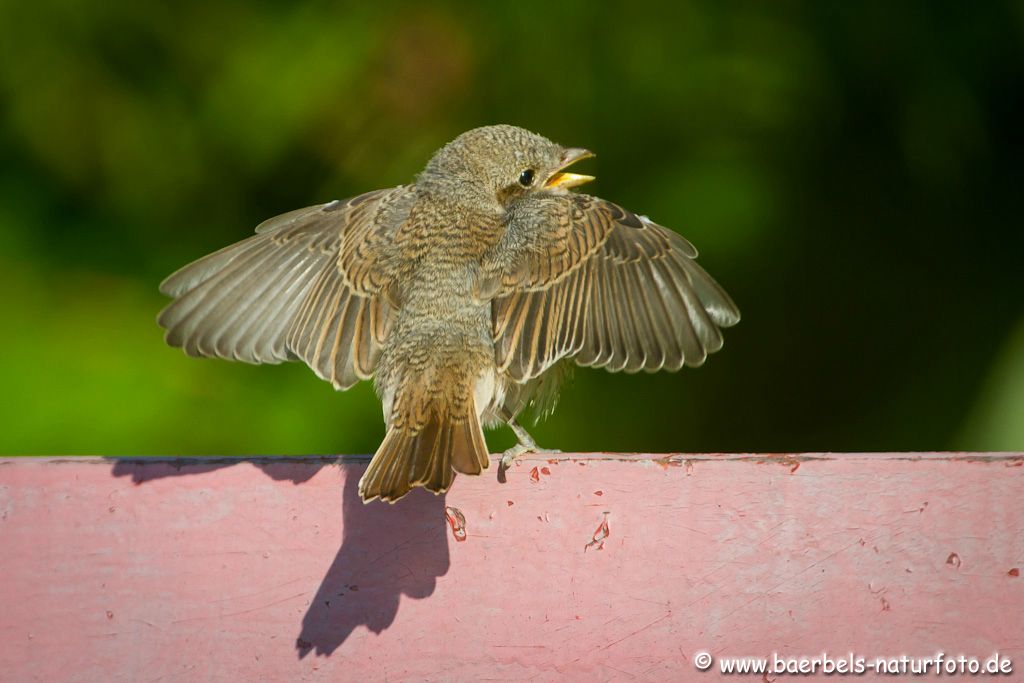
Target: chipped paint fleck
{"type": "Point", "coordinates": [457, 521]}
{"type": "Point", "coordinates": [600, 534]}
{"type": "Point", "coordinates": [666, 462]}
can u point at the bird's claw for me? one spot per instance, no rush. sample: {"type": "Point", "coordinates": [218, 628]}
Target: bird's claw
{"type": "Point", "coordinates": [509, 457]}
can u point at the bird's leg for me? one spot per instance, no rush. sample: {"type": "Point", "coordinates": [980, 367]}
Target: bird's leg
{"type": "Point", "coordinates": [526, 445]}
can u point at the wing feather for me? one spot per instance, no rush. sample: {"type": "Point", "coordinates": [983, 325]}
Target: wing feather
{"type": "Point", "coordinates": [609, 289]}
{"type": "Point", "coordinates": [305, 286]}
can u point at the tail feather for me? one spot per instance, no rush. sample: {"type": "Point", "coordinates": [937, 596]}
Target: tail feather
{"type": "Point", "coordinates": [427, 457]}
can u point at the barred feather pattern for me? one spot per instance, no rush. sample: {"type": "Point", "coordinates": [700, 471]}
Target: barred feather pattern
{"type": "Point", "coordinates": [284, 293]}
{"type": "Point", "coordinates": [608, 289]}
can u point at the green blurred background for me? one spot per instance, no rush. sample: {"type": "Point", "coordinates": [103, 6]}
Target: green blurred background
{"type": "Point", "coordinates": [852, 173]}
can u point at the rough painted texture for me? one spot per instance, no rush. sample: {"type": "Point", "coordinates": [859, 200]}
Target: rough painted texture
{"type": "Point", "coordinates": [592, 567]}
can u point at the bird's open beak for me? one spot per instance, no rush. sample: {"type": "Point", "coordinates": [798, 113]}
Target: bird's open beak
{"type": "Point", "coordinates": [567, 180]}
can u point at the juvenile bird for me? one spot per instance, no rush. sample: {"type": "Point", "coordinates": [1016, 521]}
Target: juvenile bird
{"type": "Point", "coordinates": [460, 294]}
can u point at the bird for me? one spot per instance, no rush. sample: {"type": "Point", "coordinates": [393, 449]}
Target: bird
{"type": "Point", "coordinates": [463, 295]}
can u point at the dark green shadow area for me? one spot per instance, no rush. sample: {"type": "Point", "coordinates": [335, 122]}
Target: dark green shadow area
{"type": "Point", "coordinates": [850, 172]}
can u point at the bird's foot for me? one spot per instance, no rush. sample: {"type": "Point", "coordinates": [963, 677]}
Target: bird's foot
{"type": "Point", "coordinates": [525, 444]}
{"type": "Point", "coordinates": [509, 457]}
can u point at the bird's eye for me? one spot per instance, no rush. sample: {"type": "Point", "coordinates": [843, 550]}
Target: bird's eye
{"type": "Point", "coordinates": [526, 177]}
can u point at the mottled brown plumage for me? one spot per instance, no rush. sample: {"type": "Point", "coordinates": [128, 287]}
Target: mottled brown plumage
{"type": "Point", "coordinates": [462, 294]}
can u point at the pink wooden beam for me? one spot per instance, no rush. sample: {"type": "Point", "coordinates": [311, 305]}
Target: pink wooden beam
{"type": "Point", "coordinates": [582, 567]}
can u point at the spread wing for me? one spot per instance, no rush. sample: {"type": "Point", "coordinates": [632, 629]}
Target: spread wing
{"type": "Point", "coordinates": [305, 286]}
{"type": "Point", "coordinates": [608, 289]}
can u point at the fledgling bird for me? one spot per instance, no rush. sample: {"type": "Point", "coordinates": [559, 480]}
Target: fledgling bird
{"type": "Point", "coordinates": [460, 294]}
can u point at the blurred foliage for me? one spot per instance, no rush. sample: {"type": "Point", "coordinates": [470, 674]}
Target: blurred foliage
{"type": "Point", "coordinates": [851, 172]}
{"type": "Point", "coordinates": [996, 422]}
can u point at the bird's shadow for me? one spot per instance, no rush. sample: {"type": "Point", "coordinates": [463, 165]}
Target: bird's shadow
{"type": "Point", "coordinates": [386, 550]}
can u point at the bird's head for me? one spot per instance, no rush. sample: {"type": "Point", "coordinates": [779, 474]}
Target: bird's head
{"type": "Point", "coordinates": [503, 163]}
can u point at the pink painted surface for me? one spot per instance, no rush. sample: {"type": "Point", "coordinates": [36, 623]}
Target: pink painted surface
{"type": "Point", "coordinates": [583, 568]}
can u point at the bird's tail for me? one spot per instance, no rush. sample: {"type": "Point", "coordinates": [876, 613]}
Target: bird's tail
{"type": "Point", "coordinates": [426, 454]}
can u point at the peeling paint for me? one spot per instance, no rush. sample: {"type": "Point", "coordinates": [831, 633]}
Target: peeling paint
{"type": "Point", "coordinates": [457, 521]}
{"type": "Point", "coordinates": [600, 534]}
